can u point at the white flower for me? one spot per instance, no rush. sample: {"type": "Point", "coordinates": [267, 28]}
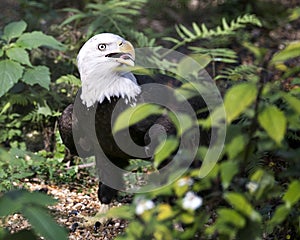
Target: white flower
{"type": "Point", "coordinates": [191, 201]}
{"type": "Point", "coordinates": [185, 181]}
{"type": "Point", "coordinates": [143, 205]}
{"type": "Point", "coordinates": [252, 186]}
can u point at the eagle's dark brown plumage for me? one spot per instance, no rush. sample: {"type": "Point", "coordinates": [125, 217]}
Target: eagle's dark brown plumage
{"type": "Point", "coordinates": [90, 117]}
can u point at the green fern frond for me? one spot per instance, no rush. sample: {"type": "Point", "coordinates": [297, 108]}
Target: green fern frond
{"type": "Point", "coordinates": [217, 54]}
{"type": "Point", "coordinates": [200, 32]}
{"type": "Point", "coordinates": [32, 116]}
{"type": "Point", "coordinates": [109, 16]}
{"type": "Point", "coordinates": [19, 99]}
{"type": "Point", "coordinates": [242, 72]}
{"type": "Point", "coordinates": [69, 80]}
{"type": "Point", "coordinates": [141, 39]}
{"type": "Point", "coordinates": [293, 135]}
{"type": "Point", "coordinates": [256, 161]}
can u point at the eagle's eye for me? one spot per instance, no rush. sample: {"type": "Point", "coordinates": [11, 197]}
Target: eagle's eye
{"type": "Point", "coordinates": [102, 46]}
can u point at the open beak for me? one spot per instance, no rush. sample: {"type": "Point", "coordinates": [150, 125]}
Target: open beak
{"type": "Point", "coordinates": [125, 55]}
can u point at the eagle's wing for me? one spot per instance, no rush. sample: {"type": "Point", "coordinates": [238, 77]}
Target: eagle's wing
{"type": "Point", "coordinates": [68, 123]}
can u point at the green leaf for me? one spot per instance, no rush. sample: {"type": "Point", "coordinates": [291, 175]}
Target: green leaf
{"type": "Point", "coordinates": [43, 223]}
{"type": "Point", "coordinates": [252, 231]}
{"type": "Point", "coordinates": [177, 28]}
{"type": "Point", "coordinates": [292, 195]}
{"type": "Point", "coordinates": [135, 230]}
{"type": "Point", "coordinates": [228, 170]}
{"type": "Point", "coordinates": [10, 73]}
{"type": "Point", "coordinates": [13, 30]}
{"type": "Point", "coordinates": [227, 223]}
{"type": "Point", "coordinates": [38, 75]}
{"type": "Point", "coordinates": [192, 64]}
{"type": "Point", "coordinates": [292, 50]}
{"type": "Point", "coordinates": [181, 189]}
{"type": "Point", "coordinates": [182, 121]}
{"type": "Point", "coordinates": [258, 52]}
{"type": "Point", "coordinates": [187, 218]}
{"type": "Point", "coordinates": [9, 203]}
{"type": "Point", "coordinates": [162, 232]}
{"type": "Point", "coordinates": [273, 122]}
{"type": "Point", "coordinates": [69, 79]}
{"type": "Point", "coordinates": [265, 182]}
{"type": "Point", "coordinates": [222, 229]}
{"type": "Point", "coordinates": [44, 110]}
{"type": "Point", "coordinates": [204, 29]}
{"type": "Point", "coordinates": [165, 212]}
{"type": "Point", "coordinates": [134, 115]}
{"type": "Point", "coordinates": [38, 199]}
{"type": "Point", "coordinates": [240, 203]}
{"type": "Point", "coordinates": [164, 150]}
{"type": "Point", "coordinates": [196, 28]}
{"type": "Point", "coordinates": [19, 55]}
{"type": "Point", "coordinates": [36, 39]}
{"type": "Point", "coordinates": [294, 13]}
{"type": "Point", "coordinates": [170, 39]}
{"type": "Point", "coordinates": [187, 32]}
{"type": "Point", "coordinates": [225, 24]}
{"type": "Point", "coordinates": [230, 216]}
{"type": "Point", "coordinates": [13, 201]}
{"type": "Point", "coordinates": [202, 59]}
{"type": "Point", "coordinates": [238, 98]}
{"type": "Point", "coordinates": [281, 212]}
{"type": "Point", "coordinates": [21, 235]}
{"type": "Point", "coordinates": [138, 164]}
{"type": "Point", "coordinates": [236, 145]}
{"type": "Point", "coordinates": [124, 212]}
{"type": "Point", "coordinates": [72, 18]}
{"type": "Point", "coordinates": [293, 102]}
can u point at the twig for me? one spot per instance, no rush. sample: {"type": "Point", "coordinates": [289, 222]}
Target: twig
{"type": "Point", "coordinates": [81, 166]}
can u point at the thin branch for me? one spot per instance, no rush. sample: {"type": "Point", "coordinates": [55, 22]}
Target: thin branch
{"type": "Point", "coordinates": [264, 78]}
{"type": "Point", "coordinates": [81, 166]}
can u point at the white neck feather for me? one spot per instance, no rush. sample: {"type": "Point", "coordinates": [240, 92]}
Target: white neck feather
{"type": "Point", "coordinates": [99, 83]}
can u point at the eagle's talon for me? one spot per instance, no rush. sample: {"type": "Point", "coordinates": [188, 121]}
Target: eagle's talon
{"type": "Point", "coordinates": [106, 194]}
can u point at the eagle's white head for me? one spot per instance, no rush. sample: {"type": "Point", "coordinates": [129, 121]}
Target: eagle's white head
{"type": "Point", "coordinates": [97, 61]}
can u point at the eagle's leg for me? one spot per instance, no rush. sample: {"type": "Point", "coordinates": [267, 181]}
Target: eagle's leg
{"type": "Point", "coordinates": [107, 193]}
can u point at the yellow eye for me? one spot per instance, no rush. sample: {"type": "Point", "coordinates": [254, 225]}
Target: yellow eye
{"type": "Point", "coordinates": [102, 46]}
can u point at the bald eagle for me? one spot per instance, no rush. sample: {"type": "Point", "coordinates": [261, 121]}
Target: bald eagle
{"type": "Point", "coordinates": [92, 116]}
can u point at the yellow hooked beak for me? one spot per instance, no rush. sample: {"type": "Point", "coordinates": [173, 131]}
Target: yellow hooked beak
{"type": "Point", "coordinates": [127, 55]}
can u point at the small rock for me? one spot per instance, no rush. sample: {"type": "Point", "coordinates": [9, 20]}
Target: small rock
{"type": "Point", "coordinates": [74, 227]}
{"type": "Point", "coordinates": [97, 226]}
{"type": "Point", "coordinates": [43, 190]}
{"type": "Point", "coordinates": [73, 212]}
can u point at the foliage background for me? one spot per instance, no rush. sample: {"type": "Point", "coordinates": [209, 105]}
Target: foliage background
{"type": "Point", "coordinates": [251, 48]}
